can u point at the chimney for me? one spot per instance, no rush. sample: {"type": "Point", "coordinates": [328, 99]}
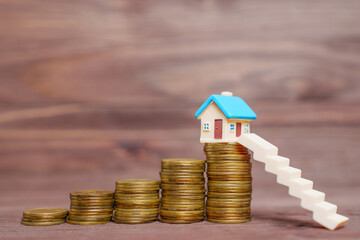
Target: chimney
{"type": "Point", "coordinates": [227, 94]}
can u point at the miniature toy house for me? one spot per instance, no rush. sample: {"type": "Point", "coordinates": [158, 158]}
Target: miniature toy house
{"type": "Point", "coordinates": [224, 117]}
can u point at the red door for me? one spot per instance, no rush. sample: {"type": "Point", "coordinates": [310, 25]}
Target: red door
{"type": "Point", "coordinates": [238, 129]}
{"type": "Point", "coordinates": [218, 128]}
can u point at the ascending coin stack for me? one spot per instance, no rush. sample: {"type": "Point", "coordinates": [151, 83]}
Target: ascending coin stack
{"type": "Point", "coordinates": [44, 216]}
{"type": "Point", "coordinates": [229, 183]}
{"type": "Point", "coordinates": [91, 207]}
{"type": "Point", "coordinates": [183, 190]}
{"type": "Point", "coordinates": [137, 201]}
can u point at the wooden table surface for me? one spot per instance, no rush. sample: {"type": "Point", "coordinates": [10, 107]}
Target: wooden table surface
{"type": "Point", "coordinates": [100, 90]}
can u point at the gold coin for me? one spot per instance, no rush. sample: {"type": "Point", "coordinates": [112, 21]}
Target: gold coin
{"type": "Point", "coordinates": [137, 206]}
{"type": "Point", "coordinates": [180, 221]}
{"type": "Point", "coordinates": [86, 222]}
{"type": "Point", "coordinates": [138, 201]}
{"type": "Point", "coordinates": [91, 212]}
{"type": "Point", "coordinates": [183, 192]}
{"type": "Point", "coordinates": [45, 212]}
{"type": "Point", "coordinates": [92, 193]}
{"type": "Point", "coordinates": [90, 218]}
{"type": "Point", "coordinates": [182, 175]}
{"type": "Point", "coordinates": [230, 190]}
{"type": "Point", "coordinates": [181, 207]}
{"type": "Point", "coordinates": [136, 192]}
{"type": "Point", "coordinates": [227, 204]}
{"type": "Point", "coordinates": [222, 195]}
{"type": "Point", "coordinates": [135, 212]}
{"type": "Point", "coordinates": [92, 198]}
{"type": "Point", "coordinates": [137, 188]}
{"type": "Point", "coordinates": [154, 195]}
{"type": "Point", "coordinates": [230, 221]}
{"type": "Point", "coordinates": [189, 213]}
{"type": "Point", "coordinates": [42, 223]}
{"type": "Point", "coordinates": [239, 172]}
{"type": "Point", "coordinates": [192, 218]}
{"type": "Point", "coordinates": [133, 221]}
{"type": "Point", "coordinates": [217, 153]}
{"type": "Point", "coordinates": [232, 200]}
{"type": "Point", "coordinates": [234, 183]}
{"type": "Point", "coordinates": [228, 178]}
{"type": "Point", "coordinates": [138, 218]}
{"type": "Point", "coordinates": [241, 176]}
{"type": "Point", "coordinates": [92, 202]}
{"type": "Point", "coordinates": [137, 182]}
{"type": "Point", "coordinates": [175, 187]}
{"type": "Point", "coordinates": [224, 144]}
{"type": "Point", "coordinates": [223, 211]}
{"type": "Point", "coordinates": [183, 170]}
{"type": "Point", "coordinates": [84, 207]}
{"type": "Point", "coordinates": [230, 166]}
{"type": "Point", "coordinates": [228, 216]}
{"type": "Point", "coordinates": [144, 217]}
{"type": "Point", "coordinates": [183, 180]}
{"type": "Point", "coordinates": [235, 166]}
{"type": "Point", "coordinates": [183, 201]}
{"type": "Point", "coordinates": [181, 161]}
{"type": "Point", "coordinates": [226, 151]}
{"type": "Point", "coordinates": [228, 160]}
{"type": "Point", "coordinates": [239, 183]}
{"type": "Point", "coordinates": [174, 196]}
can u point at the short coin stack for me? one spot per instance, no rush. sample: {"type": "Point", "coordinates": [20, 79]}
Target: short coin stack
{"type": "Point", "coordinates": [137, 201]}
{"type": "Point", "coordinates": [44, 216]}
{"type": "Point", "coordinates": [91, 207]}
{"type": "Point", "coordinates": [229, 183]}
{"type": "Point", "coordinates": [183, 190]}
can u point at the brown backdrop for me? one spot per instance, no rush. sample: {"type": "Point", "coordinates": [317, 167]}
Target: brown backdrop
{"type": "Point", "coordinates": [95, 91]}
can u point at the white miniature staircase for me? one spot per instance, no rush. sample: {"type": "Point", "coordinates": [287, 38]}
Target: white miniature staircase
{"type": "Point", "coordinates": [323, 212]}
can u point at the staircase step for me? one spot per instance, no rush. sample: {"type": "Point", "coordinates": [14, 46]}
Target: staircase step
{"type": "Point", "coordinates": [258, 145]}
{"type": "Point", "coordinates": [298, 186]}
{"type": "Point", "coordinates": [310, 198]}
{"type": "Point", "coordinates": [325, 208]}
{"type": "Point", "coordinates": [273, 163]}
{"type": "Point", "coordinates": [332, 221]}
{"type": "Point", "coordinates": [286, 174]}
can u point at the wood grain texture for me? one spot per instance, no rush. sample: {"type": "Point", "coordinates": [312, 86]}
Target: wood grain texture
{"type": "Point", "coordinates": [152, 52]}
{"type": "Point", "coordinates": [95, 91]}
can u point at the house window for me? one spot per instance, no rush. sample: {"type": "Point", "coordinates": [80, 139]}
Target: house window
{"type": "Point", "coordinates": [232, 127]}
{"type": "Point", "coordinates": [206, 127]}
{"type": "Point", "coordinates": [246, 128]}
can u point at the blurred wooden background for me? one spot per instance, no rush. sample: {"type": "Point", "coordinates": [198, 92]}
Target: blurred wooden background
{"type": "Point", "coordinates": [93, 91]}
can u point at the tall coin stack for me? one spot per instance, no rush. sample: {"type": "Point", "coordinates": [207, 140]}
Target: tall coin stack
{"type": "Point", "coordinates": [229, 183]}
{"type": "Point", "coordinates": [137, 201]}
{"type": "Point", "coordinates": [91, 207]}
{"type": "Point", "coordinates": [183, 190]}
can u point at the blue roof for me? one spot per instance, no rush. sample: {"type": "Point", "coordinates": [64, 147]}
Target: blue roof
{"type": "Point", "coordinates": [232, 107]}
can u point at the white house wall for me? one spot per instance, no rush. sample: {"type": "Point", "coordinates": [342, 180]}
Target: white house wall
{"type": "Point", "coordinates": [213, 112]}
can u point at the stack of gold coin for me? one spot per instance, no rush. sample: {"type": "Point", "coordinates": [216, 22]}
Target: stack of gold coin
{"type": "Point", "coordinates": [91, 207]}
{"type": "Point", "coordinates": [137, 201]}
{"type": "Point", "coordinates": [183, 190]}
{"type": "Point", "coordinates": [44, 216]}
{"type": "Point", "coordinates": [229, 183]}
